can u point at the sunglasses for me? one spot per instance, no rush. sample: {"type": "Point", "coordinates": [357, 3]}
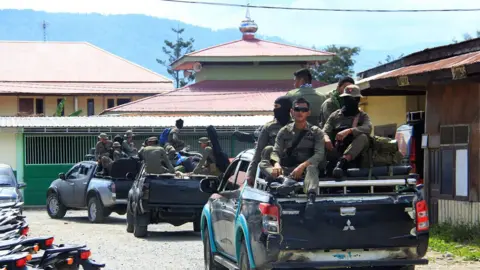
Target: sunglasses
{"type": "Point", "coordinates": [301, 109]}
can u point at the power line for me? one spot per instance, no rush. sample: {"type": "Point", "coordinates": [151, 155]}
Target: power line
{"type": "Point", "coordinates": [323, 9]}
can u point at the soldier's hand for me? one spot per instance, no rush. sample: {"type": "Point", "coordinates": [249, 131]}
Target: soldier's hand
{"type": "Point", "coordinates": [342, 134]}
{"type": "Point", "coordinates": [298, 172]}
{"type": "Point", "coordinates": [277, 170]}
{"type": "Point", "coordinates": [329, 145]}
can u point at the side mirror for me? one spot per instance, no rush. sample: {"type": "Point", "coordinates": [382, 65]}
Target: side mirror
{"type": "Point", "coordinates": [21, 185]}
{"type": "Point", "coordinates": [61, 176]}
{"type": "Point", "coordinates": [130, 176]}
{"type": "Point", "coordinates": [208, 186]}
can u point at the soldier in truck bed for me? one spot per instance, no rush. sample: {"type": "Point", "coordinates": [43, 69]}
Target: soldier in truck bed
{"type": "Point", "coordinates": [155, 158]}
{"type": "Point", "coordinates": [117, 154]}
{"type": "Point", "coordinates": [103, 146]}
{"type": "Point", "coordinates": [349, 128]}
{"type": "Point", "coordinates": [207, 164]}
{"type": "Point", "coordinates": [334, 102]}
{"type": "Point", "coordinates": [173, 138]}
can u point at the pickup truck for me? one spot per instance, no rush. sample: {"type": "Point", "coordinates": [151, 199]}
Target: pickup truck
{"type": "Point", "coordinates": [164, 198]}
{"type": "Point", "coordinates": [82, 188]}
{"type": "Point", "coordinates": [379, 224]}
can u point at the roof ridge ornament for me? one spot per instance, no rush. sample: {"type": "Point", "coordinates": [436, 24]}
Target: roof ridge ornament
{"type": "Point", "coordinates": [248, 27]}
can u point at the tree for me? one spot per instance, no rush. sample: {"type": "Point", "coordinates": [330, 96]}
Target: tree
{"type": "Point", "coordinates": [339, 66]}
{"type": "Point", "coordinates": [390, 58]}
{"type": "Point", "coordinates": [59, 110]}
{"type": "Point", "coordinates": [174, 50]}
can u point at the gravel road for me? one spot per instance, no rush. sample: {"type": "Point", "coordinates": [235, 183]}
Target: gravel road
{"type": "Point", "coordinates": [167, 247]}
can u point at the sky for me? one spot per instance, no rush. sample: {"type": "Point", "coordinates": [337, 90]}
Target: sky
{"type": "Point", "coordinates": [372, 31]}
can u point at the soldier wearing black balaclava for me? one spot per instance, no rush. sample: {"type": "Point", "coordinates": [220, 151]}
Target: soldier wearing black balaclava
{"type": "Point", "coordinates": [173, 138]}
{"type": "Point", "coordinates": [349, 128]}
{"type": "Point", "coordinates": [268, 133]}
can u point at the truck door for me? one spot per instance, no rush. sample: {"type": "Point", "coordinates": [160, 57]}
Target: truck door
{"type": "Point", "coordinates": [81, 183]}
{"type": "Point", "coordinates": [67, 187]}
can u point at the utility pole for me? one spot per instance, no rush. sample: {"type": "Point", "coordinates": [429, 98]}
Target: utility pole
{"type": "Point", "coordinates": [45, 24]}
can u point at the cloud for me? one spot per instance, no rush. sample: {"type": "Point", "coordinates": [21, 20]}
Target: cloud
{"type": "Point", "coordinates": [368, 30]}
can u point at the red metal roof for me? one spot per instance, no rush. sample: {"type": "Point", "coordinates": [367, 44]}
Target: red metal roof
{"type": "Point", "coordinates": [67, 62]}
{"type": "Point", "coordinates": [84, 88]}
{"type": "Point", "coordinates": [465, 59]}
{"type": "Point", "coordinates": [214, 96]}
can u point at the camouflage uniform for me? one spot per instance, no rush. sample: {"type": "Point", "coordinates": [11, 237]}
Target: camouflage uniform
{"type": "Point", "coordinates": [117, 154]}
{"type": "Point", "coordinates": [264, 148]}
{"type": "Point", "coordinates": [103, 149]}
{"type": "Point", "coordinates": [314, 98]}
{"type": "Point", "coordinates": [155, 159]}
{"type": "Point", "coordinates": [129, 147]}
{"type": "Point", "coordinates": [311, 148]}
{"type": "Point", "coordinates": [328, 107]}
{"type": "Point", "coordinates": [174, 140]}
{"type": "Point", "coordinates": [206, 165]}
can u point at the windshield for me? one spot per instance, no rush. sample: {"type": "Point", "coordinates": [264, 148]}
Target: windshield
{"type": "Point", "coordinates": [6, 181]}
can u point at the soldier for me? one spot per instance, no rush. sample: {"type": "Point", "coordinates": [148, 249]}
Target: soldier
{"type": "Point", "coordinates": [334, 102]}
{"type": "Point", "coordinates": [349, 128]}
{"type": "Point", "coordinates": [117, 154]}
{"type": "Point", "coordinates": [266, 138]}
{"type": "Point", "coordinates": [207, 163]}
{"type": "Point", "coordinates": [103, 147]}
{"type": "Point", "coordinates": [173, 136]}
{"type": "Point", "coordinates": [303, 83]}
{"type": "Point", "coordinates": [128, 145]}
{"type": "Point", "coordinates": [155, 158]}
{"type": "Point", "coordinates": [299, 147]}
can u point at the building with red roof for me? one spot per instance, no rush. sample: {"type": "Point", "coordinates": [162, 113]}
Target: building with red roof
{"type": "Point", "coordinates": [241, 77]}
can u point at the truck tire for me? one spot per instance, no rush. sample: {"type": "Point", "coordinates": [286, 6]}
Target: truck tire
{"type": "Point", "coordinates": [196, 225]}
{"type": "Point", "coordinates": [96, 210]}
{"type": "Point", "coordinates": [129, 222]}
{"type": "Point", "coordinates": [55, 207]}
{"type": "Point", "coordinates": [210, 263]}
{"type": "Point", "coordinates": [244, 263]}
{"type": "Point", "coordinates": [139, 229]}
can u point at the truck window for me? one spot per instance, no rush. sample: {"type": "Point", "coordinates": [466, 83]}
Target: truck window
{"type": "Point", "coordinates": [73, 173]}
{"type": "Point", "coordinates": [229, 175]}
{"type": "Point", "coordinates": [236, 181]}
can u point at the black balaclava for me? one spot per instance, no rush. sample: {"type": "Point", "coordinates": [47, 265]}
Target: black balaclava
{"type": "Point", "coordinates": [350, 106]}
{"type": "Point", "coordinates": [282, 114]}
{"type": "Point", "coordinates": [179, 123]}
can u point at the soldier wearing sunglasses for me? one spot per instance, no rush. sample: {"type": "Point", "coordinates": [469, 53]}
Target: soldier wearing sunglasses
{"type": "Point", "coordinates": [298, 151]}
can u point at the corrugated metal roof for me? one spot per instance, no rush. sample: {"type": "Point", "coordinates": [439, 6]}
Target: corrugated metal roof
{"type": "Point", "coordinates": [68, 62]}
{"type": "Point", "coordinates": [131, 122]}
{"type": "Point", "coordinates": [84, 88]}
{"type": "Point", "coordinates": [465, 59]}
{"type": "Point", "coordinates": [214, 96]}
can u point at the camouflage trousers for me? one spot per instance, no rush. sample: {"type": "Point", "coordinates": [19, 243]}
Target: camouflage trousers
{"type": "Point", "coordinates": [311, 173]}
{"type": "Point", "coordinates": [106, 163]}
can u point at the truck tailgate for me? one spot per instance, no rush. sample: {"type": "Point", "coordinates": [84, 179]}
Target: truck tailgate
{"type": "Point", "coordinates": [361, 222]}
{"type": "Point", "coordinates": [122, 186]}
{"type": "Point", "coordinates": [176, 191]}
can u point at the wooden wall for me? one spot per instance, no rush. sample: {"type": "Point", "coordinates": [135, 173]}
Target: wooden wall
{"type": "Point", "coordinates": [452, 104]}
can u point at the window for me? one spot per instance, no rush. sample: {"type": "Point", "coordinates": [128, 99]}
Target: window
{"type": "Point", "coordinates": [25, 105]}
{"type": "Point", "coordinates": [39, 106]}
{"type": "Point", "coordinates": [122, 101]}
{"type": "Point", "coordinates": [229, 175]}
{"type": "Point", "coordinates": [110, 103]}
{"type": "Point", "coordinates": [236, 180]}
{"type": "Point", "coordinates": [454, 140]}
{"type": "Point", "coordinates": [63, 109]}
{"type": "Point", "coordinates": [73, 173]}
{"type": "Point", "coordinates": [90, 107]}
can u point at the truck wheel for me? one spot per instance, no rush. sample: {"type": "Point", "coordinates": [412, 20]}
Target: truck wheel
{"type": "Point", "coordinates": [196, 225]}
{"type": "Point", "coordinates": [140, 230]}
{"type": "Point", "coordinates": [55, 208]}
{"type": "Point", "coordinates": [129, 222]}
{"type": "Point", "coordinates": [96, 210]}
{"type": "Point", "coordinates": [210, 263]}
{"type": "Point", "coordinates": [244, 263]}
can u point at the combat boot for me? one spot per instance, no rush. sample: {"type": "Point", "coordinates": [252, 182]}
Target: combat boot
{"type": "Point", "coordinates": [338, 170]}
{"type": "Point", "coordinates": [287, 186]}
{"type": "Point", "coordinates": [309, 209]}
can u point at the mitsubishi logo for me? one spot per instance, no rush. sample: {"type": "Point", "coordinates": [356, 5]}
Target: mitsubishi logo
{"type": "Point", "coordinates": [349, 226]}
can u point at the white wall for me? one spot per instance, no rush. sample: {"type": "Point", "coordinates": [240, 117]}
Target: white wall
{"type": "Point", "coordinates": [8, 149]}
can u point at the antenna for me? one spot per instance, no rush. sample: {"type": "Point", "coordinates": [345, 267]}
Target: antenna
{"type": "Point", "coordinates": [45, 24]}
{"type": "Point", "coordinates": [247, 15]}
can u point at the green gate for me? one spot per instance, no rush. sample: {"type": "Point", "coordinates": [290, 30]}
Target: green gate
{"type": "Point", "coordinates": [47, 155]}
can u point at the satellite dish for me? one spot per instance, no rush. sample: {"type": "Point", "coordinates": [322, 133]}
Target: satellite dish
{"type": "Point", "coordinates": [197, 67]}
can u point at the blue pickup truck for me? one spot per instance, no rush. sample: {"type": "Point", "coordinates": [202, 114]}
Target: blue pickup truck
{"type": "Point", "coordinates": [379, 224]}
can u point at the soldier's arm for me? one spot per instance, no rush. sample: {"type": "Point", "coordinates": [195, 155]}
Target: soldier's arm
{"type": "Point", "coordinates": [166, 161]}
{"type": "Point", "coordinates": [319, 147]}
{"type": "Point", "coordinates": [126, 148]}
{"type": "Point", "coordinates": [327, 109]}
{"type": "Point", "coordinates": [365, 128]}
{"type": "Point", "coordinates": [328, 127]}
{"type": "Point", "coordinates": [202, 161]}
{"type": "Point", "coordinates": [97, 151]}
{"type": "Point", "coordinates": [279, 147]}
{"type": "Point", "coordinates": [261, 144]}
{"type": "Point", "coordinates": [140, 153]}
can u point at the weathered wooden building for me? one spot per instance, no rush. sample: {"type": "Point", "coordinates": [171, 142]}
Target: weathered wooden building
{"type": "Point", "coordinates": [450, 76]}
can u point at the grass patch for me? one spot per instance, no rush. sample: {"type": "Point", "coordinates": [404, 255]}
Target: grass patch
{"type": "Point", "coordinates": [460, 240]}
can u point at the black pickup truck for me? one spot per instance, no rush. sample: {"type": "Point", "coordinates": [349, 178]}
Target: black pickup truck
{"type": "Point", "coordinates": [164, 198]}
{"type": "Point", "coordinates": [377, 222]}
